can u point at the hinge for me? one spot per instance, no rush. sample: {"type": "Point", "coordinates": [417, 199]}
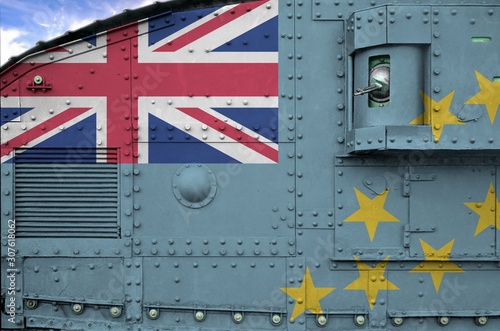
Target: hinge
{"type": "Point", "coordinates": [409, 177]}
{"type": "Point", "coordinates": [38, 84]}
{"type": "Point", "coordinates": [409, 229]}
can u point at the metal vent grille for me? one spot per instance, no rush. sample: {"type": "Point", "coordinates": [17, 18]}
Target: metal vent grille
{"type": "Point", "coordinates": [66, 155]}
{"type": "Point", "coordinates": [66, 200]}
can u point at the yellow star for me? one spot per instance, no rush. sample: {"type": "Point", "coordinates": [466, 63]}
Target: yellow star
{"type": "Point", "coordinates": [437, 114]}
{"type": "Point", "coordinates": [371, 212]}
{"type": "Point", "coordinates": [307, 296]}
{"type": "Point", "coordinates": [489, 95]}
{"type": "Point", "coordinates": [371, 280]}
{"type": "Point", "coordinates": [486, 211]}
{"type": "Point", "coordinates": [437, 262]}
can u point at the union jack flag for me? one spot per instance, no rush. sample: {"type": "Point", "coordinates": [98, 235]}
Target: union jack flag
{"type": "Point", "coordinates": [194, 86]}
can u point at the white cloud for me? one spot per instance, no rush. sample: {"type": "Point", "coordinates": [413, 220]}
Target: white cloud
{"type": "Point", "coordinates": [48, 22]}
{"type": "Point", "coordinates": [77, 24]}
{"type": "Point", "coordinates": [105, 10]}
{"type": "Point", "coordinates": [11, 43]}
{"type": "Point", "coordinates": [145, 3]}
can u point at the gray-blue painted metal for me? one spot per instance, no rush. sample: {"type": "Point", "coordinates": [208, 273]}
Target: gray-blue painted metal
{"type": "Point", "coordinates": [391, 209]}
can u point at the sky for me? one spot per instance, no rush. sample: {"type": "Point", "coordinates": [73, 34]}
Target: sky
{"type": "Point", "coordinates": [25, 22]}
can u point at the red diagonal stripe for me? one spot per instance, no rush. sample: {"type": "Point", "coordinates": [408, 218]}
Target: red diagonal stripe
{"type": "Point", "coordinates": [41, 129]}
{"type": "Point", "coordinates": [231, 132]}
{"type": "Point", "coordinates": [208, 27]}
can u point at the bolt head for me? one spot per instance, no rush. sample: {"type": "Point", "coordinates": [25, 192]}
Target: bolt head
{"type": "Point", "coordinates": [276, 319]}
{"type": "Point", "coordinates": [199, 316]}
{"type": "Point", "coordinates": [321, 320]}
{"type": "Point", "coordinates": [31, 304]}
{"type": "Point", "coordinates": [115, 311]}
{"type": "Point", "coordinates": [481, 320]}
{"type": "Point", "coordinates": [397, 321]}
{"type": "Point", "coordinates": [38, 79]}
{"type": "Point", "coordinates": [238, 317]}
{"type": "Point", "coordinates": [359, 320]}
{"type": "Point", "coordinates": [77, 308]}
{"type": "Point", "coordinates": [443, 320]}
{"type": "Point", "coordinates": [153, 313]}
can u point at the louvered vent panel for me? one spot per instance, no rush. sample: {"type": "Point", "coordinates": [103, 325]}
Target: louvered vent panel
{"type": "Point", "coordinates": [66, 200]}
{"type": "Point", "coordinates": [66, 155]}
